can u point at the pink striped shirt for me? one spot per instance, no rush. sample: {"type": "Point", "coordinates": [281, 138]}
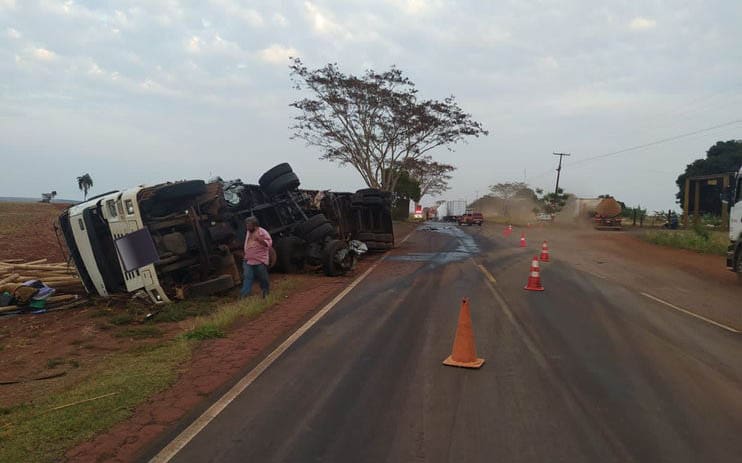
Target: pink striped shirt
{"type": "Point", "coordinates": [255, 251]}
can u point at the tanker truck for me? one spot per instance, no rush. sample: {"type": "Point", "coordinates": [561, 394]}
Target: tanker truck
{"type": "Point", "coordinates": [607, 215]}
{"type": "Point", "coordinates": [734, 252]}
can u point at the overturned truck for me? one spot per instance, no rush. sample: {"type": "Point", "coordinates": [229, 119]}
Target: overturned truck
{"type": "Point", "coordinates": [184, 239]}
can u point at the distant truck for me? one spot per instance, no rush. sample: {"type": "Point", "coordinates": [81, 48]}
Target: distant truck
{"type": "Point", "coordinates": [471, 218]}
{"type": "Point", "coordinates": [734, 252]}
{"type": "Point", "coordinates": [607, 215]}
{"type": "Point", "coordinates": [451, 210]}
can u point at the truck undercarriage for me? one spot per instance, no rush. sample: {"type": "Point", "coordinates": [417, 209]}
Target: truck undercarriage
{"type": "Point", "coordinates": [185, 239]}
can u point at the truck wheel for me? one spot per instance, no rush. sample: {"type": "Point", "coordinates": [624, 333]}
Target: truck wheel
{"type": "Point", "coordinates": [282, 184]}
{"type": "Point", "coordinates": [384, 237]}
{"type": "Point", "coordinates": [365, 236]}
{"type": "Point", "coordinates": [319, 233]}
{"type": "Point", "coordinates": [181, 190]}
{"type": "Point", "coordinates": [267, 178]}
{"type": "Point", "coordinates": [337, 258]}
{"type": "Point", "coordinates": [313, 222]}
{"type": "Point", "coordinates": [290, 254]}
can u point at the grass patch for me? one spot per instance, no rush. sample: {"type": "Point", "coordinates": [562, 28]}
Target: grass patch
{"type": "Point", "coordinates": [206, 331]}
{"type": "Point", "coordinates": [34, 432]}
{"type": "Point", "coordinates": [55, 362]}
{"type": "Point", "coordinates": [121, 319]}
{"type": "Point", "coordinates": [707, 243]}
{"type": "Point", "coordinates": [186, 309]}
{"type": "Point", "coordinates": [140, 332]}
{"type": "Point", "coordinates": [227, 314]}
{"type": "Point", "coordinates": [40, 431]}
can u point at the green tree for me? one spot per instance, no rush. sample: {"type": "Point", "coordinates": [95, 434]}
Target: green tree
{"type": "Point", "coordinates": [432, 176]}
{"type": "Point", "coordinates": [85, 183]}
{"type": "Point", "coordinates": [724, 156]}
{"type": "Point", "coordinates": [511, 190]}
{"type": "Point", "coordinates": [374, 122]}
{"type": "Point", "coordinates": [407, 188]}
{"type": "Point", "coordinates": [552, 202]}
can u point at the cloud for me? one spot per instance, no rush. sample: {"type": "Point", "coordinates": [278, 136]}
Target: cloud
{"type": "Point", "coordinates": [322, 22]}
{"type": "Point", "coordinates": [277, 54]}
{"type": "Point", "coordinates": [280, 20]}
{"type": "Point", "coordinates": [547, 63]}
{"type": "Point", "coordinates": [13, 34]}
{"type": "Point", "coordinates": [213, 45]}
{"type": "Point", "coordinates": [641, 23]}
{"type": "Point", "coordinates": [234, 9]}
{"type": "Point", "coordinates": [7, 4]}
{"type": "Point", "coordinates": [414, 7]}
{"type": "Point", "coordinates": [43, 54]}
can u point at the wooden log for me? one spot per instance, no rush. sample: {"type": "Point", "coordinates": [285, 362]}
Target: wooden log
{"type": "Point", "coordinates": [8, 308]}
{"type": "Point", "coordinates": [61, 298]}
{"type": "Point", "coordinates": [11, 261]}
{"type": "Point", "coordinates": [9, 279]}
{"type": "Point", "coordinates": [31, 267]}
{"type": "Point", "coordinates": [39, 261]}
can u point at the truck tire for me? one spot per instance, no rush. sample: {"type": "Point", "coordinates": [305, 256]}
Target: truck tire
{"type": "Point", "coordinates": [330, 263]}
{"type": "Point", "coordinates": [273, 173]}
{"type": "Point", "coordinates": [384, 237]}
{"type": "Point", "coordinates": [282, 184]}
{"type": "Point", "coordinates": [290, 254]}
{"type": "Point", "coordinates": [319, 233]}
{"type": "Point", "coordinates": [313, 222]}
{"type": "Point", "coordinates": [181, 190]}
{"type": "Point", "coordinates": [365, 236]}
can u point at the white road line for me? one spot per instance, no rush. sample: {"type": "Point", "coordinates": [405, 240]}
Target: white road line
{"type": "Point", "coordinates": [182, 439]}
{"type": "Point", "coordinates": [487, 274]}
{"type": "Point", "coordinates": [687, 312]}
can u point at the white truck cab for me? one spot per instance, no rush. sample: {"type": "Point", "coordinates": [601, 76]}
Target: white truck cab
{"type": "Point", "coordinates": [734, 253]}
{"type": "Point", "coordinates": [91, 230]}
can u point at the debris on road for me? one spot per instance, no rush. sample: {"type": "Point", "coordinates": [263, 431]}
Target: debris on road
{"type": "Point", "coordinates": [37, 286]}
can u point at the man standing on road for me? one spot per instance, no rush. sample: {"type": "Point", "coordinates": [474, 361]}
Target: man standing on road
{"type": "Point", "coordinates": [258, 243]}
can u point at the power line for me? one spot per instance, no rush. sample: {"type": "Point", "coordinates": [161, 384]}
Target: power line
{"type": "Point", "coordinates": [645, 145]}
{"type": "Point", "coordinates": [657, 142]}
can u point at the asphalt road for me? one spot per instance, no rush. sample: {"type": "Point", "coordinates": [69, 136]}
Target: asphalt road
{"type": "Point", "coordinates": [589, 370]}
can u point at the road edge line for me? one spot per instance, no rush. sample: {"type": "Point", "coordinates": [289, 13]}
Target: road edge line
{"type": "Point", "coordinates": [198, 425]}
{"type": "Point", "coordinates": [688, 312]}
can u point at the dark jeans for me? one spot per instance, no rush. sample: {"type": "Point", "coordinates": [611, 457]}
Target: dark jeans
{"type": "Point", "coordinates": [252, 272]}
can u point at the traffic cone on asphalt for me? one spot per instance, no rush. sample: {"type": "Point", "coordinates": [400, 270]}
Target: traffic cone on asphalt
{"type": "Point", "coordinates": [510, 229]}
{"type": "Point", "coordinates": [544, 257]}
{"type": "Point", "coordinates": [505, 232]}
{"type": "Point", "coordinates": [534, 279]}
{"type": "Point", "coordinates": [523, 239]}
{"type": "Point", "coordinates": [464, 353]}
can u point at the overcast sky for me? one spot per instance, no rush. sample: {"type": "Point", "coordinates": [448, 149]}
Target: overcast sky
{"type": "Point", "coordinates": [148, 91]}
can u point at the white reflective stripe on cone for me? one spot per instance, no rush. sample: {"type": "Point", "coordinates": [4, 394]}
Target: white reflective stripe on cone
{"type": "Point", "coordinates": [534, 274]}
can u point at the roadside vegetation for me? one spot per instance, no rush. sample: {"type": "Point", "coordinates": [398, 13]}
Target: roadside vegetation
{"type": "Point", "coordinates": [696, 239]}
{"type": "Point", "coordinates": [43, 429]}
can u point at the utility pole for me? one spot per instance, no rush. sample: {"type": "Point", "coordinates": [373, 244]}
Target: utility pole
{"type": "Point", "coordinates": [559, 171]}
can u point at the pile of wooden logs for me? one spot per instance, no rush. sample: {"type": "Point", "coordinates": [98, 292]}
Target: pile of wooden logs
{"type": "Point", "coordinates": [58, 275]}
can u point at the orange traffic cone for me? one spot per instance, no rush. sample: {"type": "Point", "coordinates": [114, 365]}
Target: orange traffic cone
{"type": "Point", "coordinates": [522, 240]}
{"type": "Point", "coordinates": [464, 353]}
{"type": "Point", "coordinates": [544, 257]}
{"type": "Point", "coordinates": [505, 232]}
{"type": "Point", "coordinates": [534, 279]}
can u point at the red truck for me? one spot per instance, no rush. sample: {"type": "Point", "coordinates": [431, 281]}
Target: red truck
{"type": "Point", "coordinates": [471, 218]}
